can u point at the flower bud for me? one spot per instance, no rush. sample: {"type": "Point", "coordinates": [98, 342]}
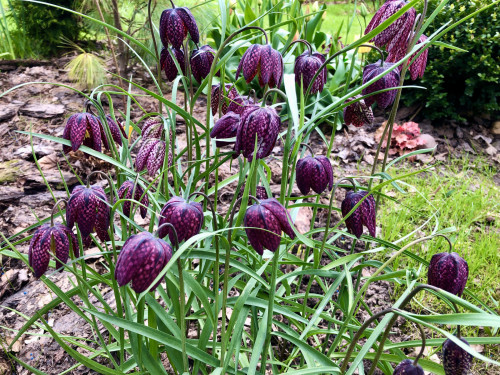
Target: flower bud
{"type": "Point", "coordinates": [407, 367]}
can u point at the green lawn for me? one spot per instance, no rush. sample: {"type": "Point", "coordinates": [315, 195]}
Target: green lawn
{"type": "Point", "coordinates": [347, 19]}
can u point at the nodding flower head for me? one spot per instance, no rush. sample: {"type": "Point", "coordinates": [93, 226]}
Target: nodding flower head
{"type": "Point", "coordinates": [151, 156]}
{"type": "Point", "coordinates": [141, 259]}
{"type": "Point", "coordinates": [152, 128]}
{"type": "Point", "coordinates": [456, 361]}
{"type": "Point", "coordinates": [201, 62]}
{"type": "Point", "coordinates": [225, 127]}
{"type": "Point", "coordinates": [83, 128]}
{"type": "Point", "coordinates": [51, 239]}
{"type": "Point", "coordinates": [89, 208]}
{"type": "Point", "coordinates": [218, 96]}
{"type": "Point", "coordinates": [116, 130]}
{"type": "Point", "coordinates": [306, 66]}
{"type": "Point", "coordinates": [314, 173]}
{"type": "Point", "coordinates": [125, 192]}
{"type": "Point", "coordinates": [417, 68]}
{"type": "Point", "coordinates": [186, 217]}
{"type": "Point", "coordinates": [407, 367]}
{"type": "Point", "coordinates": [239, 103]}
{"type": "Point", "coordinates": [390, 80]}
{"type": "Point", "coordinates": [448, 271]}
{"type": "Point", "coordinates": [358, 113]}
{"type": "Point", "coordinates": [260, 192]}
{"type": "Point", "coordinates": [168, 65]}
{"type": "Point", "coordinates": [264, 222]}
{"type": "Point", "coordinates": [258, 122]}
{"type": "Point", "coordinates": [262, 61]}
{"type": "Point", "coordinates": [175, 24]}
{"type": "Point", "coordinates": [365, 214]}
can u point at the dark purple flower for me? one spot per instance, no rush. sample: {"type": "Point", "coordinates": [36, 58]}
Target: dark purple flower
{"type": "Point", "coordinates": [262, 122]}
{"type": "Point", "coordinates": [89, 208]}
{"type": "Point", "coordinates": [449, 272]}
{"type": "Point", "coordinates": [363, 215]}
{"type": "Point", "coordinates": [396, 35]}
{"type": "Point", "coordinates": [314, 173]}
{"type": "Point", "coordinates": [270, 216]}
{"type": "Point", "coordinates": [217, 95]}
{"type": "Point", "coordinates": [358, 113]}
{"type": "Point", "coordinates": [186, 217]}
{"type": "Point", "coordinates": [417, 68]}
{"type": "Point", "coordinates": [152, 128]}
{"type": "Point", "coordinates": [260, 192]}
{"type": "Point", "coordinates": [51, 239]}
{"type": "Point", "coordinates": [83, 128]}
{"type": "Point", "coordinates": [407, 367]}
{"type": "Point", "coordinates": [456, 361]}
{"type": "Point", "coordinates": [391, 79]}
{"type": "Point", "coordinates": [151, 156]}
{"type": "Point", "coordinates": [264, 61]}
{"type": "Point", "coordinates": [201, 62]}
{"type": "Point", "coordinates": [142, 258]}
{"type": "Point", "coordinates": [174, 26]}
{"type": "Point", "coordinates": [116, 130]}
{"type": "Point", "coordinates": [125, 192]}
{"type": "Point", "coordinates": [239, 103]}
{"type": "Point", "coordinates": [225, 127]}
{"type": "Point", "coordinates": [306, 66]}
{"type": "Point", "coordinates": [168, 64]}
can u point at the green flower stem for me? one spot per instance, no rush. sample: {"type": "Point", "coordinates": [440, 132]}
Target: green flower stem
{"type": "Point", "coordinates": [140, 338]}
{"type": "Point", "coordinates": [158, 67]}
{"type": "Point", "coordinates": [182, 300]}
{"type": "Point", "coordinates": [153, 344]}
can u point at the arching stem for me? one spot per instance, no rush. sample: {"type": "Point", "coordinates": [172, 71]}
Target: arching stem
{"type": "Point", "coordinates": [270, 91]}
{"type": "Point", "coordinates": [309, 148]}
{"type": "Point", "coordinates": [303, 41]}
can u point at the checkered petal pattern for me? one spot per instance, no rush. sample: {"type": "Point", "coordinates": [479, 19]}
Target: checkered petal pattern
{"type": "Point", "coordinates": [314, 173]}
{"type": "Point", "coordinates": [186, 217]}
{"type": "Point", "coordinates": [406, 367]}
{"type": "Point", "coordinates": [201, 62]}
{"type": "Point", "coordinates": [363, 215]}
{"type": "Point", "coordinates": [152, 128]}
{"type": "Point", "coordinates": [306, 66]}
{"type": "Point", "coordinates": [358, 113]}
{"type": "Point", "coordinates": [264, 61]}
{"type": "Point", "coordinates": [175, 24]}
{"type": "Point", "coordinates": [168, 65]}
{"type": "Point", "coordinates": [449, 272]}
{"type": "Point", "coordinates": [456, 361]}
{"type": "Point", "coordinates": [116, 130]}
{"type": "Point", "coordinates": [125, 192]}
{"type": "Point", "coordinates": [226, 97]}
{"type": "Point", "coordinates": [391, 79]}
{"type": "Point", "coordinates": [225, 127]}
{"type": "Point", "coordinates": [83, 128]}
{"type": "Point", "coordinates": [151, 156]}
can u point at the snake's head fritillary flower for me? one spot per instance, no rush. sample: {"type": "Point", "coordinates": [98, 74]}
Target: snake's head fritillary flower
{"type": "Point", "coordinates": [89, 208]}
{"type": "Point", "coordinates": [151, 156]}
{"type": "Point", "coordinates": [83, 128]}
{"type": "Point", "coordinates": [390, 80]}
{"type": "Point", "coordinates": [396, 35]}
{"type": "Point", "coordinates": [261, 122]}
{"type": "Point", "coordinates": [142, 258]}
{"type": "Point", "coordinates": [456, 361]}
{"type": "Point", "coordinates": [152, 128]}
{"type": "Point", "coordinates": [116, 130]}
{"type": "Point", "coordinates": [260, 192]}
{"type": "Point", "coordinates": [186, 217]}
{"type": "Point", "coordinates": [51, 239]}
{"type": "Point", "coordinates": [314, 173]}
{"type": "Point", "coordinates": [306, 66]}
{"type": "Point", "coordinates": [449, 272]}
{"type": "Point", "coordinates": [218, 96]}
{"type": "Point", "coordinates": [225, 127]}
{"type": "Point", "coordinates": [239, 103]}
{"type": "Point", "coordinates": [201, 62]}
{"type": "Point", "coordinates": [168, 65]}
{"type": "Point", "coordinates": [262, 61]}
{"type": "Point", "coordinates": [407, 367]}
{"type": "Point", "coordinates": [264, 222]}
{"type": "Point", "coordinates": [358, 113]}
{"type": "Point", "coordinates": [417, 68]}
{"type": "Point", "coordinates": [175, 24]}
{"type": "Point", "coordinates": [365, 214]}
{"type": "Point", "coordinates": [125, 192]}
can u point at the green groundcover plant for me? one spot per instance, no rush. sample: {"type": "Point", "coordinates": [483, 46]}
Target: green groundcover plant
{"type": "Point", "coordinates": [193, 263]}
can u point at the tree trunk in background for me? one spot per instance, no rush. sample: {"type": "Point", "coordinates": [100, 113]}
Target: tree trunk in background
{"type": "Point", "coordinates": [122, 51]}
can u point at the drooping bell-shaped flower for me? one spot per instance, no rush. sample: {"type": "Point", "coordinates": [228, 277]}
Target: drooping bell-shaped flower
{"type": "Point", "coordinates": [456, 361]}
{"type": "Point", "coordinates": [261, 122]}
{"type": "Point", "coordinates": [186, 217]}
{"type": "Point", "coordinates": [239, 103]}
{"type": "Point", "coordinates": [449, 272]}
{"type": "Point", "coordinates": [264, 223]}
{"type": "Point", "coordinates": [141, 259]}
{"type": "Point", "coordinates": [396, 35]}
{"type": "Point", "coordinates": [260, 192]}
{"type": "Point", "coordinates": [225, 127]}
{"type": "Point", "coordinates": [51, 239]}
{"type": "Point", "coordinates": [358, 113]}
{"type": "Point", "coordinates": [116, 130]}
{"type": "Point", "coordinates": [262, 61]}
{"type": "Point", "coordinates": [151, 156]}
{"type": "Point", "coordinates": [175, 23]}
{"type": "Point", "coordinates": [306, 66]}
{"type": "Point", "coordinates": [314, 173]}
{"type": "Point", "coordinates": [407, 367]}
{"type": "Point", "coordinates": [391, 79]}
{"type": "Point", "coordinates": [365, 214]}
{"type": "Point", "coordinates": [168, 65]}
{"type": "Point", "coordinates": [89, 208]}
{"type": "Point", "coordinates": [218, 96]}
{"type": "Point", "coordinates": [152, 128]}
{"type": "Point", "coordinates": [417, 68]}
{"type": "Point", "coordinates": [125, 192]}
{"type": "Point", "coordinates": [201, 62]}
{"type": "Point", "coordinates": [83, 128]}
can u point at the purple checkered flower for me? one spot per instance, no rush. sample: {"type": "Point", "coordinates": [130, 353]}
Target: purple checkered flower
{"type": "Point", "coordinates": [456, 361]}
{"type": "Point", "coordinates": [358, 113]}
{"type": "Point", "coordinates": [449, 272]}
{"type": "Point", "coordinates": [217, 95]}
{"type": "Point", "coordinates": [141, 259]}
{"type": "Point", "coordinates": [125, 192]}
{"type": "Point", "coordinates": [186, 217]}
{"type": "Point", "coordinates": [260, 192]}
{"type": "Point", "coordinates": [264, 222]}
{"type": "Point", "coordinates": [116, 130]}
{"type": "Point", "coordinates": [225, 127]}
{"type": "Point", "coordinates": [391, 79]}
{"type": "Point", "coordinates": [201, 62]}
{"type": "Point", "coordinates": [48, 239]}
{"type": "Point", "coordinates": [152, 128]}
{"type": "Point", "coordinates": [239, 103]}
{"type": "Point", "coordinates": [83, 128]}
{"type": "Point", "coordinates": [407, 367]}
{"type": "Point", "coordinates": [365, 214]}
{"type": "Point", "coordinates": [168, 64]}
{"type": "Point", "coordinates": [306, 66]}
{"type": "Point", "coordinates": [151, 156]}
{"type": "Point", "coordinates": [175, 23]}
{"type": "Point", "coordinates": [264, 61]}
{"type": "Point", "coordinates": [314, 173]}
{"type": "Point", "coordinates": [417, 68]}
